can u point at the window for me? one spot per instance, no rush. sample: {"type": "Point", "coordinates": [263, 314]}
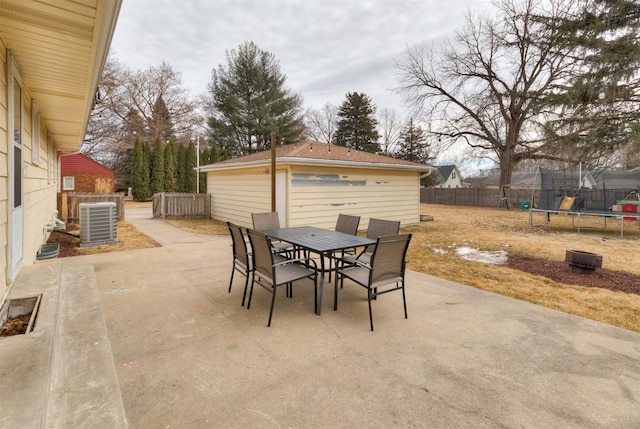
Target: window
{"type": "Point", "coordinates": [453, 174]}
{"type": "Point", "coordinates": [35, 133]}
{"type": "Point", "coordinates": [68, 183]}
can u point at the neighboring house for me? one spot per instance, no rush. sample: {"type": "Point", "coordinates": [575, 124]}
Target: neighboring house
{"type": "Point", "coordinates": [82, 174]}
{"type": "Point", "coordinates": [315, 182]}
{"type": "Point", "coordinates": [473, 182]}
{"type": "Point", "coordinates": [52, 55]}
{"type": "Point", "coordinates": [449, 177]}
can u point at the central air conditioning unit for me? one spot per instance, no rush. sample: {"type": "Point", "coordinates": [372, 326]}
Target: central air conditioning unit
{"type": "Point", "coordinates": [97, 223]}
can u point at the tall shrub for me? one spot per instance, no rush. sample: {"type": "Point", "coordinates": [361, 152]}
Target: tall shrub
{"type": "Point", "coordinates": [139, 173]}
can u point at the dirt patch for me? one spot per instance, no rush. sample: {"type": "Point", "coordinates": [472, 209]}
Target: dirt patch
{"type": "Point", "coordinates": [560, 272]}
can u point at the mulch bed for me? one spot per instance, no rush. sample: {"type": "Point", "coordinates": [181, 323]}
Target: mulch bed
{"type": "Point", "coordinates": [560, 272]}
{"type": "Point", "coordinates": [15, 325]}
{"type": "Point", "coordinates": [69, 244]}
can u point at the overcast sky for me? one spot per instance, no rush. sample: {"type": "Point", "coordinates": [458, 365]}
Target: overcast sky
{"type": "Point", "coordinates": [326, 48]}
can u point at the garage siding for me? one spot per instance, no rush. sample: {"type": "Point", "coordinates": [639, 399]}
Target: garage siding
{"type": "Point", "coordinates": [317, 195]}
{"type": "Point", "coordinates": [237, 194]}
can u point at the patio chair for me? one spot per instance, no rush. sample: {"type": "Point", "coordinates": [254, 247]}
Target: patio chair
{"type": "Point", "coordinates": [377, 228]}
{"type": "Point", "coordinates": [271, 270]}
{"type": "Point", "coordinates": [242, 258]}
{"type": "Point", "coordinates": [349, 225]}
{"type": "Point", "coordinates": [387, 267]}
{"type": "Point", "coordinates": [270, 220]}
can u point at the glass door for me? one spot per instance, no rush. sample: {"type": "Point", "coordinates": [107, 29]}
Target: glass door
{"type": "Point", "coordinates": [16, 192]}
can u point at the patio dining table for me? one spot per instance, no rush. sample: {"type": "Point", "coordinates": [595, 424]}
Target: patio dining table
{"type": "Point", "coordinates": [320, 241]}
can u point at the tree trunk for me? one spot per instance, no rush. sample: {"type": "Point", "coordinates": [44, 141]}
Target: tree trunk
{"type": "Point", "coordinates": [507, 160]}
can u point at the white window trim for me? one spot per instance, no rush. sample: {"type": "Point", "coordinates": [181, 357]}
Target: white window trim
{"type": "Point", "coordinates": [49, 161]}
{"type": "Point", "coordinates": [64, 183]}
{"type": "Point", "coordinates": [35, 132]}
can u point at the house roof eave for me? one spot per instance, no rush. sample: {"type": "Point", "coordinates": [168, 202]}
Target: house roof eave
{"type": "Point", "coordinates": [314, 162]}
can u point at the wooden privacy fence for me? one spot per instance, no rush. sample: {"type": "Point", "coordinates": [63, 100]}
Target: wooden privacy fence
{"type": "Point", "coordinates": [69, 204]}
{"type": "Point", "coordinates": [167, 204]}
{"type": "Point", "coordinates": [478, 196]}
{"type": "Point", "coordinates": [586, 199]}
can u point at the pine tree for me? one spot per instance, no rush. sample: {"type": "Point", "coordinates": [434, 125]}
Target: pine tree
{"type": "Point", "coordinates": [161, 121]}
{"type": "Point", "coordinates": [412, 145]}
{"type": "Point", "coordinates": [250, 99]}
{"type": "Point", "coordinates": [189, 169]}
{"type": "Point", "coordinates": [157, 175]}
{"type": "Point", "coordinates": [600, 101]}
{"type": "Point", "coordinates": [170, 167]}
{"type": "Point", "coordinates": [139, 173]}
{"type": "Point", "coordinates": [357, 124]}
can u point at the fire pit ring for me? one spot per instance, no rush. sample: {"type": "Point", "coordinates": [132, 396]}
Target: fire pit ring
{"type": "Point", "coordinates": [583, 262]}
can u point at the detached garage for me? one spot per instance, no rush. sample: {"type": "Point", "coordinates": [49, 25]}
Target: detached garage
{"type": "Point", "coordinates": [314, 183]}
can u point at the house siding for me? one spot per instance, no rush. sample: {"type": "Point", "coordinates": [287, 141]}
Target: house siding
{"type": "Point", "coordinates": [4, 166]}
{"type": "Point", "coordinates": [39, 201]}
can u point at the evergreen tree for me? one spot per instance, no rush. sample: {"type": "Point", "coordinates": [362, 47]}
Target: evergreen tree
{"type": "Point", "coordinates": [599, 103]}
{"type": "Point", "coordinates": [170, 167]}
{"type": "Point", "coordinates": [181, 176]}
{"type": "Point", "coordinates": [205, 158]}
{"type": "Point", "coordinates": [123, 152]}
{"type": "Point", "coordinates": [157, 175]}
{"type": "Point", "coordinates": [161, 120]}
{"type": "Point", "coordinates": [190, 175]}
{"type": "Point", "coordinates": [139, 173]}
{"type": "Point", "coordinates": [214, 155]}
{"type": "Point", "coordinates": [249, 100]}
{"type": "Point", "coordinates": [218, 154]}
{"type": "Point", "coordinates": [357, 124]}
{"type": "Point", "coordinates": [146, 150]}
{"type": "Point", "coordinates": [412, 145]}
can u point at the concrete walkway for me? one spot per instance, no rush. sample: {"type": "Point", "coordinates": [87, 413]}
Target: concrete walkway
{"type": "Point", "coordinates": [187, 355]}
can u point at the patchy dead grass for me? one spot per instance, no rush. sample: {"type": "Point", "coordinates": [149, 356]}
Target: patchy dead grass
{"type": "Point", "coordinates": [130, 204]}
{"type": "Point", "coordinates": [432, 251]}
{"type": "Point", "coordinates": [201, 226]}
{"type": "Point", "coordinates": [129, 238]}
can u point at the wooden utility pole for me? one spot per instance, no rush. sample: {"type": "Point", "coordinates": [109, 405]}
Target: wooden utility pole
{"type": "Point", "coordinates": [273, 171]}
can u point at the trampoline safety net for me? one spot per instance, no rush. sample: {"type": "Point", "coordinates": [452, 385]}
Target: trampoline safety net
{"type": "Point", "coordinates": [594, 191]}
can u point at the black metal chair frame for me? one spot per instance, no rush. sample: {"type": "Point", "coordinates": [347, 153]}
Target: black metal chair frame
{"type": "Point", "coordinates": [242, 257]}
{"type": "Point", "coordinates": [387, 266]}
{"type": "Point", "coordinates": [271, 270]}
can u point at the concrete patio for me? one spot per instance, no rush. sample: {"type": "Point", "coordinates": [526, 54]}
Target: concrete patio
{"type": "Point", "coordinates": [187, 355]}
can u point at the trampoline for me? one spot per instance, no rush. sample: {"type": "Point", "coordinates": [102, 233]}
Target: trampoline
{"type": "Point", "coordinates": [602, 193]}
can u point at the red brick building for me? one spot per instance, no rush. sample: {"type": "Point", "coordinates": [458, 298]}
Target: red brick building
{"type": "Point", "coordinates": [79, 173]}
